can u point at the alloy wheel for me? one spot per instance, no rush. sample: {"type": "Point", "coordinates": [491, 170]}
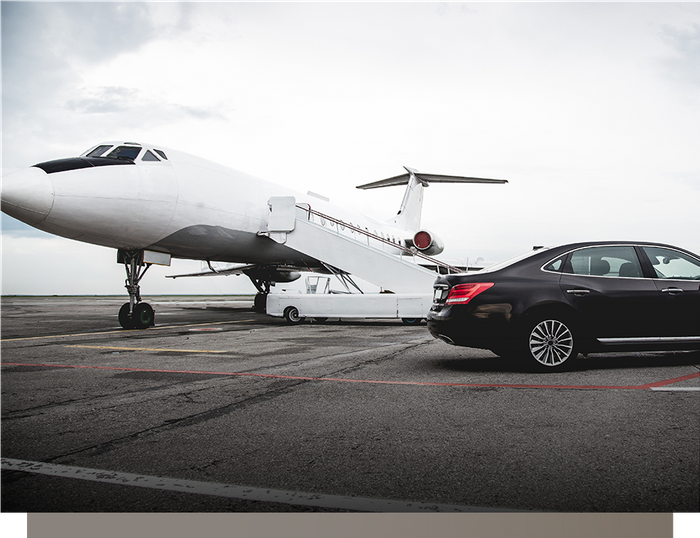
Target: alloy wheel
{"type": "Point", "coordinates": [551, 343]}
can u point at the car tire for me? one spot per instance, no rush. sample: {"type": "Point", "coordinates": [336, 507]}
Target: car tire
{"type": "Point", "coordinates": [550, 344]}
{"type": "Point", "coordinates": [291, 314]}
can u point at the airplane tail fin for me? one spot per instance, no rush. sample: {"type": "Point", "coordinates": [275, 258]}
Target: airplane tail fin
{"type": "Point", "coordinates": [409, 215]}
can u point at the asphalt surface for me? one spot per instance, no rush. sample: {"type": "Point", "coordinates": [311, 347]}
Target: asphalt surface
{"type": "Point", "coordinates": [217, 408]}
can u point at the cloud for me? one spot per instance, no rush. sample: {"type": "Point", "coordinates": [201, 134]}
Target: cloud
{"type": "Point", "coordinates": [136, 103]}
{"type": "Point", "coordinates": [47, 48]}
{"type": "Point", "coordinates": [584, 107]}
{"type": "Point", "coordinates": [684, 65]}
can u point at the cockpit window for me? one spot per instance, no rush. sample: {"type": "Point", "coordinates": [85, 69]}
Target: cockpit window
{"type": "Point", "coordinates": [161, 153]}
{"type": "Point", "coordinates": [148, 156]}
{"type": "Point", "coordinates": [125, 152]}
{"type": "Point", "coordinates": [98, 151]}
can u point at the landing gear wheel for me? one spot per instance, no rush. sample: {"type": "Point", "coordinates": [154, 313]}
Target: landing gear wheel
{"type": "Point", "coordinates": [143, 316]}
{"type": "Point", "coordinates": [125, 319]}
{"type": "Point", "coordinates": [291, 314]}
{"type": "Point", "coordinates": [134, 314]}
{"type": "Point", "coordinates": [550, 345]}
{"type": "Point", "coordinates": [260, 303]}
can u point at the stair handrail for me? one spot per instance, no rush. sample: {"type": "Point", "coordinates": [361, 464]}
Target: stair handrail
{"type": "Point", "coordinates": [411, 251]}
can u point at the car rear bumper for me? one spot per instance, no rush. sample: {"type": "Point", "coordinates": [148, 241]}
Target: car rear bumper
{"type": "Point", "coordinates": [473, 327]}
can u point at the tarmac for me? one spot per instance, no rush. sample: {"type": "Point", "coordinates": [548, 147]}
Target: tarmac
{"type": "Point", "coordinates": [221, 409]}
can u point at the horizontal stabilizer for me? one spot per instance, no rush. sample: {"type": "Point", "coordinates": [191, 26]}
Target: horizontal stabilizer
{"type": "Point", "coordinates": [426, 179]}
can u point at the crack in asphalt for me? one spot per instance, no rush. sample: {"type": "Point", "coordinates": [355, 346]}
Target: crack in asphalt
{"type": "Point", "coordinates": [281, 387]}
{"type": "Point", "coordinates": [175, 423]}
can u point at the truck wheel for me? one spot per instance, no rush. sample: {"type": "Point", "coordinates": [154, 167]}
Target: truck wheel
{"type": "Point", "coordinates": [291, 314]}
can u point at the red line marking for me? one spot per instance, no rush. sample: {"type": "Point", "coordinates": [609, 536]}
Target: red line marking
{"type": "Point", "coordinates": [671, 381]}
{"type": "Point", "coordinates": [646, 386]}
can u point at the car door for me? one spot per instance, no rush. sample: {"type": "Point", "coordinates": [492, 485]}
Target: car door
{"type": "Point", "coordinates": [677, 280]}
{"type": "Point", "coordinates": [607, 286]}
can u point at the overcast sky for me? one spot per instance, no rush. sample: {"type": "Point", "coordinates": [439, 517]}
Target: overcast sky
{"type": "Point", "coordinates": [590, 110]}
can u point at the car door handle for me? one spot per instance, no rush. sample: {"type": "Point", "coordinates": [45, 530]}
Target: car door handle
{"type": "Point", "coordinates": [578, 293]}
{"type": "Point", "coordinates": [672, 291]}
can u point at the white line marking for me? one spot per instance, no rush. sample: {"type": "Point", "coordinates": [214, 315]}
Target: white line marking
{"type": "Point", "coordinates": [117, 348]}
{"type": "Point", "coordinates": [676, 388]}
{"type": "Point", "coordinates": [238, 492]}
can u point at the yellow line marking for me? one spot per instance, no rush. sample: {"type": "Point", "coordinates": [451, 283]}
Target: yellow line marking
{"type": "Point", "coordinates": [150, 349]}
{"type": "Point", "coordinates": [122, 331]}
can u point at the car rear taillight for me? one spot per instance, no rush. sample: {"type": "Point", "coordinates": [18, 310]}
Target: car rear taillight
{"type": "Point", "coordinates": [463, 293]}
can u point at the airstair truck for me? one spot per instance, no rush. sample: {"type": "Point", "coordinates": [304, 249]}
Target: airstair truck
{"type": "Point", "coordinates": [319, 303]}
{"type": "Point", "coordinates": [347, 250]}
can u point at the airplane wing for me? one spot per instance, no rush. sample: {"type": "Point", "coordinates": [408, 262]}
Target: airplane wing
{"type": "Point", "coordinates": [271, 273]}
{"type": "Point", "coordinates": [426, 179]}
{"type": "Point", "coordinates": [233, 270]}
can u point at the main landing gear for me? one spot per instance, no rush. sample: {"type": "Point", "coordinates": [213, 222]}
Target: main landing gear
{"type": "Point", "coordinates": [260, 302]}
{"type": "Point", "coordinates": [134, 314]}
{"type": "Point", "coordinates": [264, 277]}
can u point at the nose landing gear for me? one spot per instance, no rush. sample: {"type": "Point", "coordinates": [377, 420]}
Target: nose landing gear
{"type": "Point", "coordinates": [134, 314]}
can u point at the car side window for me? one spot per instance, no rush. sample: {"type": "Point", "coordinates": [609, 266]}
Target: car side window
{"type": "Point", "coordinates": [555, 265]}
{"type": "Point", "coordinates": [608, 261]}
{"type": "Point", "coordinates": [672, 265]}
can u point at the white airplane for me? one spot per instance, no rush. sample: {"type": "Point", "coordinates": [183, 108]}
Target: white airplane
{"type": "Point", "coordinates": [152, 203]}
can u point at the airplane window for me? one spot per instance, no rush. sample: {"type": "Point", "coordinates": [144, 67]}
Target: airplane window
{"type": "Point", "coordinates": [125, 152]}
{"type": "Point", "coordinates": [98, 151]}
{"type": "Point", "coordinates": [148, 156]}
{"type": "Point", "coordinates": [161, 153]}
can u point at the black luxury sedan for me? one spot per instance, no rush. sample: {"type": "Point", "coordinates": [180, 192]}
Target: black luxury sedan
{"type": "Point", "coordinates": [553, 303]}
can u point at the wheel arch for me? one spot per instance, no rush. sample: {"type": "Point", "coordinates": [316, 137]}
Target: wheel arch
{"type": "Point", "coordinates": [550, 308]}
{"type": "Point", "coordinates": [557, 310]}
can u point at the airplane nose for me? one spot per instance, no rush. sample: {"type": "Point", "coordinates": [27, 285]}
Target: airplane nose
{"type": "Point", "coordinates": [27, 195]}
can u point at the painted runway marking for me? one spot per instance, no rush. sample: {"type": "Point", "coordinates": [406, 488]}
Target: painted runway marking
{"type": "Point", "coordinates": [118, 348]}
{"type": "Point", "coordinates": [677, 388]}
{"type": "Point", "coordinates": [300, 498]}
{"type": "Point", "coordinates": [124, 331]}
{"type": "Point", "coordinates": [653, 386]}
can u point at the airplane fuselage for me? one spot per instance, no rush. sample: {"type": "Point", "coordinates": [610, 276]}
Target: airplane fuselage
{"type": "Point", "coordinates": [175, 203]}
{"type": "Point", "coordinates": [152, 204]}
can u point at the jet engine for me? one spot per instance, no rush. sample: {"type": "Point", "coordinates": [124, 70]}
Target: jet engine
{"type": "Point", "coordinates": [272, 274]}
{"type": "Point", "coordinates": [426, 242]}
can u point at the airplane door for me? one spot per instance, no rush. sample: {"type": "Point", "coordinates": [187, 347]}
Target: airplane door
{"type": "Point", "coordinates": [606, 286]}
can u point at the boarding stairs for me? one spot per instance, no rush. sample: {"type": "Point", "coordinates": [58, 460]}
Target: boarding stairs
{"type": "Point", "coordinates": [349, 249]}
